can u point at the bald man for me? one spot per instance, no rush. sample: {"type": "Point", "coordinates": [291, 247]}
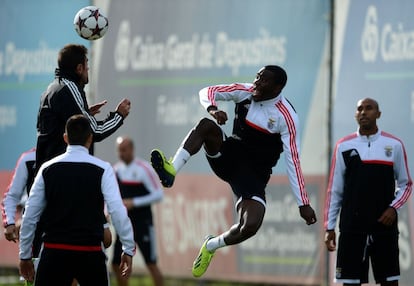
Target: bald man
{"type": "Point", "coordinates": [369, 181]}
{"type": "Point", "coordinates": [140, 187]}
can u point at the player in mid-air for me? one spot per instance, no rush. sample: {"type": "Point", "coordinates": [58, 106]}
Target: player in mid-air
{"type": "Point", "coordinates": [265, 125]}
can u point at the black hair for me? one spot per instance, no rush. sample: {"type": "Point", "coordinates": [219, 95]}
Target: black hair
{"type": "Point", "coordinates": [78, 129]}
{"type": "Point", "coordinates": [279, 73]}
{"type": "Point", "coordinates": [69, 57]}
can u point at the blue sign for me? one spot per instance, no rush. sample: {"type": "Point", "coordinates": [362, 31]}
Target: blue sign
{"type": "Point", "coordinates": [377, 61]}
{"type": "Point", "coordinates": [32, 33]}
{"type": "Point", "coordinates": [161, 54]}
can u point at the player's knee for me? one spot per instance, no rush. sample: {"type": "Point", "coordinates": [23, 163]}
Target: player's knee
{"type": "Point", "coordinates": [207, 128]}
{"type": "Point", "coordinates": [205, 124]}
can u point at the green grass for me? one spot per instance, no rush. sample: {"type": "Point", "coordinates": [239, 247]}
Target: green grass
{"type": "Point", "coordinates": [12, 279]}
{"type": "Point", "coordinates": [146, 281]}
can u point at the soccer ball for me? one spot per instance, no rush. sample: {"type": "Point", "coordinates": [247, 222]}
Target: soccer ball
{"type": "Point", "coordinates": [90, 23]}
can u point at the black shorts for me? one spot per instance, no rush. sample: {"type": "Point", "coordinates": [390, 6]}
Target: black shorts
{"type": "Point", "coordinates": [60, 267]}
{"type": "Point", "coordinates": [356, 250]}
{"type": "Point", "coordinates": [246, 178]}
{"type": "Point", "coordinates": [144, 236]}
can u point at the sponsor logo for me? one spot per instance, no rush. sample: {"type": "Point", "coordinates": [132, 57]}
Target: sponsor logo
{"type": "Point", "coordinates": [392, 42]}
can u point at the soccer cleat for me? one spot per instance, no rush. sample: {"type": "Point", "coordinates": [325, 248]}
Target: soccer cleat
{"type": "Point", "coordinates": [163, 167]}
{"type": "Point", "coordinates": [203, 259]}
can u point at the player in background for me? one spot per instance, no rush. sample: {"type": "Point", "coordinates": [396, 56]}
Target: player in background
{"type": "Point", "coordinates": [265, 125]}
{"type": "Point", "coordinates": [69, 193]}
{"type": "Point", "coordinates": [17, 190]}
{"type": "Point", "coordinates": [15, 197]}
{"type": "Point", "coordinates": [64, 97]}
{"type": "Point", "coordinates": [140, 187]}
{"type": "Point", "coordinates": [369, 182]}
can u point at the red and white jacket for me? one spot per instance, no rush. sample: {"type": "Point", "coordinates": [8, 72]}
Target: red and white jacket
{"type": "Point", "coordinates": [22, 180]}
{"type": "Point", "coordinates": [368, 175]}
{"type": "Point", "coordinates": [270, 127]}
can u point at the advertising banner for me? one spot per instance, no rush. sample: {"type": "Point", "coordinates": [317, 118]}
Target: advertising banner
{"type": "Point", "coordinates": [159, 54]}
{"type": "Point", "coordinates": [284, 250]}
{"type": "Point", "coordinates": [32, 32]}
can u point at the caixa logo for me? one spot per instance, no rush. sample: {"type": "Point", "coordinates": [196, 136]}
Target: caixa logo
{"type": "Point", "coordinates": [392, 42]}
{"type": "Point", "coordinates": [370, 36]}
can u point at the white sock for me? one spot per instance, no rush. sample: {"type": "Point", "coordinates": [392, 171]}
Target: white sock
{"type": "Point", "coordinates": [215, 243]}
{"type": "Point", "coordinates": [180, 158]}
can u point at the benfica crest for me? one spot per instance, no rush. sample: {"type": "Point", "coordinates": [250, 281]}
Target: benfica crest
{"type": "Point", "coordinates": [388, 151]}
{"type": "Point", "coordinates": [271, 123]}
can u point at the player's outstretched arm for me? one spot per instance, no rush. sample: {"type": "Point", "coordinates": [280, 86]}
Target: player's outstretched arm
{"type": "Point", "coordinates": [96, 108]}
{"type": "Point", "coordinates": [123, 107]}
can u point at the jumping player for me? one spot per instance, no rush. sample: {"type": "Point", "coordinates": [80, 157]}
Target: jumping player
{"type": "Point", "coordinates": [265, 125]}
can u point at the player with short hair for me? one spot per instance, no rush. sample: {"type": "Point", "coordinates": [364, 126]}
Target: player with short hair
{"type": "Point", "coordinates": [140, 188]}
{"type": "Point", "coordinates": [369, 182]}
{"type": "Point", "coordinates": [64, 97]}
{"type": "Point", "coordinates": [265, 125]}
{"type": "Point", "coordinates": [19, 186]}
{"type": "Point", "coordinates": [16, 196]}
{"type": "Point", "coordinates": [69, 193]}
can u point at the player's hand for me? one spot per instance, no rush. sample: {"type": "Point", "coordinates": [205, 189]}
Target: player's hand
{"type": "Point", "coordinates": [128, 203]}
{"type": "Point", "coordinates": [388, 217]}
{"type": "Point", "coordinates": [123, 107]}
{"type": "Point", "coordinates": [96, 108]}
{"type": "Point", "coordinates": [308, 214]}
{"type": "Point", "coordinates": [219, 115]}
{"type": "Point", "coordinates": [126, 265]}
{"type": "Point", "coordinates": [11, 233]}
{"type": "Point", "coordinates": [26, 269]}
{"type": "Point", "coordinates": [330, 240]}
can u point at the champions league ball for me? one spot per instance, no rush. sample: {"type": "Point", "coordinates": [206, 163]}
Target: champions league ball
{"type": "Point", "coordinates": [90, 23]}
